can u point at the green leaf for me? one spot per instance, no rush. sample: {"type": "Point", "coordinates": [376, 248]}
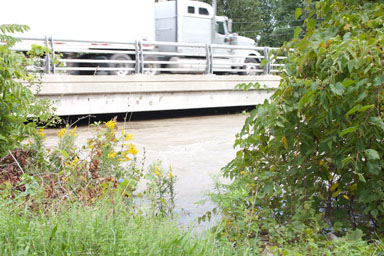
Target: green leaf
{"type": "Point", "coordinates": [311, 24]}
{"type": "Point", "coordinates": [285, 142]}
{"type": "Point", "coordinates": [53, 232]}
{"type": "Point", "coordinates": [2, 138]}
{"type": "Point", "coordinates": [361, 177]}
{"type": "Point", "coordinates": [298, 13]}
{"type": "Point", "coordinates": [65, 154]}
{"type": "Point", "coordinates": [268, 188]}
{"type": "Point", "coordinates": [355, 235]}
{"type": "Point", "coordinates": [351, 65]}
{"type": "Point", "coordinates": [347, 160]}
{"type": "Point", "coordinates": [297, 32]}
{"type": "Point", "coordinates": [379, 80]}
{"type": "Point", "coordinates": [334, 186]}
{"type": "Point", "coordinates": [306, 98]}
{"type": "Point", "coordinates": [348, 130]}
{"type": "Point", "coordinates": [372, 154]}
{"type": "Point", "coordinates": [353, 110]}
{"type": "Point", "coordinates": [365, 108]}
{"type": "Point", "coordinates": [336, 193]}
{"type": "Point", "coordinates": [373, 167]}
{"type": "Point", "coordinates": [376, 121]}
{"type": "Point", "coordinates": [337, 89]}
{"type": "Point", "coordinates": [362, 82]}
{"type": "Point", "coordinates": [348, 82]}
{"type": "Point", "coordinates": [163, 201]}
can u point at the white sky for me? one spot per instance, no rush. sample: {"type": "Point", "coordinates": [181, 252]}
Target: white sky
{"type": "Point", "coordinates": [111, 20]}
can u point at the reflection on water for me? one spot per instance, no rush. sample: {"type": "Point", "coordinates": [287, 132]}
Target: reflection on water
{"type": "Point", "coordinates": [196, 148]}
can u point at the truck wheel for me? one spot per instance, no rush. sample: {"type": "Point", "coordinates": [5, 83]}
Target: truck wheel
{"type": "Point", "coordinates": [250, 67]}
{"type": "Point", "coordinates": [122, 72]}
{"type": "Point", "coordinates": [151, 66]}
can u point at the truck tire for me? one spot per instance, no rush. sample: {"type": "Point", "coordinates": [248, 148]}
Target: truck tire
{"type": "Point", "coordinates": [150, 66]}
{"type": "Point", "coordinates": [120, 65]}
{"type": "Point", "coordinates": [250, 67]}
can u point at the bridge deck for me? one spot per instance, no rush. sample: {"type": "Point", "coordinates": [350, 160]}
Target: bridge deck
{"type": "Point", "coordinates": [78, 95]}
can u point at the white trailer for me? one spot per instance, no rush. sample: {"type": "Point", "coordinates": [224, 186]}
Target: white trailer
{"type": "Point", "coordinates": [98, 37]}
{"type": "Point", "coordinates": [112, 20]}
{"type": "Point", "coordinates": [99, 25]}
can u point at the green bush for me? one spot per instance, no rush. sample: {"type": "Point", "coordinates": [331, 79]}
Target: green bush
{"type": "Point", "coordinates": [311, 159]}
{"type": "Point", "coordinates": [17, 104]}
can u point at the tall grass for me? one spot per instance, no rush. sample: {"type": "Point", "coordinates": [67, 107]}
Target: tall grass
{"type": "Point", "coordinates": [106, 228]}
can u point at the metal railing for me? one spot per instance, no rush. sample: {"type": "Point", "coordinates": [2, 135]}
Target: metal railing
{"type": "Point", "coordinates": [142, 57]}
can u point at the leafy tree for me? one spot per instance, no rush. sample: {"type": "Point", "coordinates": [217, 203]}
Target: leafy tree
{"type": "Point", "coordinates": [18, 104]}
{"type": "Point", "coordinates": [270, 22]}
{"type": "Point", "coordinates": [312, 158]}
{"type": "Point", "coordinates": [251, 18]}
{"type": "Point", "coordinates": [285, 21]}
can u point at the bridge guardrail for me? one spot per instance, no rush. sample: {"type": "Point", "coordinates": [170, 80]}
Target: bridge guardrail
{"type": "Point", "coordinates": [78, 57]}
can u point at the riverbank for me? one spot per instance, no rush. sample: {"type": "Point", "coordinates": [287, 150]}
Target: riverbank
{"type": "Point", "coordinates": [196, 147]}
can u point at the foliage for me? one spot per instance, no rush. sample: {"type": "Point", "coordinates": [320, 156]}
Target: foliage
{"type": "Point", "coordinates": [285, 21]}
{"type": "Point", "coordinates": [66, 200]}
{"type": "Point", "coordinates": [17, 104]}
{"type": "Point", "coordinates": [38, 175]}
{"type": "Point", "coordinates": [105, 228]}
{"type": "Point", "coordinates": [311, 159]}
{"type": "Point", "coordinates": [161, 189]}
{"type": "Point", "coordinates": [270, 22]}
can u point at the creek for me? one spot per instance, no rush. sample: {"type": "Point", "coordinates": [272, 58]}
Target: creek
{"type": "Point", "coordinates": [196, 148]}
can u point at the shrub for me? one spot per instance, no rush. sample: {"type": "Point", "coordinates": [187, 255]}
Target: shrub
{"type": "Point", "coordinates": [311, 159]}
{"type": "Point", "coordinates": [17, 104]}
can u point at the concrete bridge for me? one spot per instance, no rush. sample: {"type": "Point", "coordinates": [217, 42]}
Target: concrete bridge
{"type": "Point", "coordinates": [80, 95]}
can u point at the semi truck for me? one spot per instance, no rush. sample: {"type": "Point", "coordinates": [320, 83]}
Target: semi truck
{"type": "Point", "coordinates": [97, 33]}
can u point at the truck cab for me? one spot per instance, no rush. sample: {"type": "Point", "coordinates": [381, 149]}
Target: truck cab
{"type": "Point", "coordinates": [185, 21]}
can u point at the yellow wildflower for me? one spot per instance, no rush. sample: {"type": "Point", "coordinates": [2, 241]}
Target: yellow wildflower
{"type": "Point", "coordinates": [111, 154]}
{"type": "Point", "coordinates": [74, 162]}
{"type": "Point", "coordinates": [110, 125]}
{"type": "Point", "coordinates": [128, 136]}
{"type": "Point", "coordinates": [157, 171]}
{"type": "Point", "coordinates": [41, 132]}
{"type": "Point", "coordinates": [73, 132]}
{"type": "Point", "coordinates": [132, 149]}
{"type": "Point", "coordinates": [170, 174]}
{"type": "Point", "coordinates": [125, 157]}
{"type": "Point", "coordinates": [62, 132]}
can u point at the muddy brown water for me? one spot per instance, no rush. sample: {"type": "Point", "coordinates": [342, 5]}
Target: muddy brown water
{"type": "Point", "coordinates": [196, 148]}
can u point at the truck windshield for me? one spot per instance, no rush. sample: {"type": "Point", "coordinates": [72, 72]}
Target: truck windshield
{"type": "Point", "coordinates": [220, 28]}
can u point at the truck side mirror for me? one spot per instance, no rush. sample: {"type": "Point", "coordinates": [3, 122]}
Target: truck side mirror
{"type": "Point", "coordinates": [234, 39]}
